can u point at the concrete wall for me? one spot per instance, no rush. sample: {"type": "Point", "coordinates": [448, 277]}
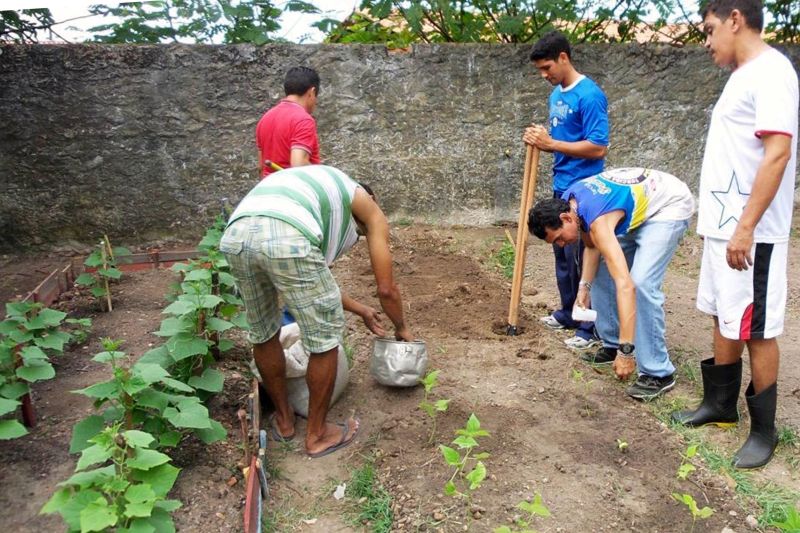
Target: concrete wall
{"type": "Point", "coordinates": [144, 142]}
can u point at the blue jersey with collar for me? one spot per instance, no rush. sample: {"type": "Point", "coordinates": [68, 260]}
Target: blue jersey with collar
{"type": "Point", "coordinates": [597, 196]}
{"type": "Point", "coordinates": [577, 113]}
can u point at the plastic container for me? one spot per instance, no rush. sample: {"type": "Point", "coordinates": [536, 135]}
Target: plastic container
{"type": "Point", "coordinates": [398, 363]}
{"type": "Point", "coordinates": [581, 314]}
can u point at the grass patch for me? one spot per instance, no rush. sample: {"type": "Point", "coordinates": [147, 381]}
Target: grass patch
{"type": "Point", "coordinates": [280, 516]}
{"type": "Point", "coordinates": [404, 222]}
{"type": "Point", "coordinates": [772, 500]}
{"type": "Point", "coordinates": [504, 259]}
{"type": "Point", "coordinates": [373, 504]}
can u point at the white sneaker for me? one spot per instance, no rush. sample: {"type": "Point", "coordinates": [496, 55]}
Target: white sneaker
{"type": "Point", "coordinates": [551, 322]}
{"type": "Point", "coordinates": [579, 343]}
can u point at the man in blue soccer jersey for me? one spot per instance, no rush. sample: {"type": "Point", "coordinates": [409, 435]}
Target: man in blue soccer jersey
{"type": "Point", "coordinates": [631, 221]}
{"type": "Point", "coordinates": [578, 139]}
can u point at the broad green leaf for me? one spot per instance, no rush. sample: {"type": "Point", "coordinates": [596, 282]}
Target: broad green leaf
{"type": "Point", "coordinates": [170, 439]}
{"type": "Point", "coordinates": [536, 507]}
{"type": "Point", "coordinates": [705, 512]}
{"type": "Point", "coordinates": [112, 273]}
{"type": "Point", "coordinates": [173, 326]}
{"type": "Point", "coordinates": [441, 405]}
{"type": "Point", "coordinates": [41, 370]}
{"type": "Point", "coordinates": [685, 469]}
{"type": "Point", "coordinates": [92, 455]}
{"type": "Point", "coordinates": [217, 324]}
{"type": "Point", "coordinates": [169, 505]}
{"type": "Point", "coordinates": [210, 301]}
{"type": "Point", "coordinates": [452, 457]}
{"type": "Point", "coordinates": [47, 318]}
{"type": "Point", "coordinates": [464, 442]}
{"type": "Point", "coordinates": [11, 429]}
{"type": "Point", "coordinates": [7, 406]}
{"type": "Point", "coordinates": [134, 385]}
{"type": "Point", "coordinates": [212, 380]}
{"type": "Point", "coordinates": [427, 408]}
{"type": "Point", "coordinates": [161, 478]}
{"type": "Point", "coordinates": [691, 451]}
{"type": "Point", "coordinates": [53, 341]}
{"type": "Point", "coordinates": [188, 414]}
{"type": "Point", "coordinates": [225, 345]}
{"type": "Point", "coordinates": [138, 525]}
{"type": "Point", "coordinates": [180, 307]}
{"type": "Point", "coordinates": [198, 275]}
{"type": "Point", "coordinates": [473, 424]}
{"type": "Point", "coordinates": [149, 372]}
{"type": "Point", "coordinates": [71, 511]}
{"type": "Point", "coordinates": [83, 431]}
{"type": "Point", "coordinates": [480, 456]}
{"type": "Point", "coordinates": [138, 439]}
{"type": "Point", "coordinates": [107, 357]}
{"type": "Point", "coordinates": [100, 391]}
{"type": "Point", "coordinates": [20, 337]}
{"type": "Point", "coordinates": [14, 390]}
{"type": "Point", "coordinates": [120, 251]}
{"type": "Point", "coordinates": [185, 345]}
{"type": "Point", "coordinates": [140, 493]}
{"type": "Point", "coordinates": [85, 279]}
{"type": "Point", "coordinates": [141, 510]}
{"type": "Point", "coordinates": [18, 309]}
{"type": "Point", "coordinates": [177, 385]}
{"type": "Point", "coordinates": [154, 399]}
{"type": "Point", "coordinates": [95, 477]}
{"type": "Point", "coordinates": [157, 356]}
{"type": "Point", "coordinates": [95, 259]}
{"type": "Point", "coordinates": [32, 353]}
{"type": "Point", "coordinates": [477, 475]}
{"type": "Point", "coordinates": [179, 267]}
{"type": "Point", "coordinates": [7, 326]}
{"type": "Point", "coordinates": [226, 279]}
{"type": "Point", "coordinates": [240, 321]}
{"type": "Point", "coordinates": [98, 291]}
{"type": "Point", "coordinates": [430, 380]}
{"type": "Point", "coordinates": [213, 434]}
{"type": "Point", "coordinates": [450, 488]}
{"type": "Point", "coordinates": [97, 516]}
{"type": "Point", "coordinates": [161, 521]}
{"type": "Point", "coordinates": [145, 459]}
{"type": "Point", "coordinates": [56, 501]}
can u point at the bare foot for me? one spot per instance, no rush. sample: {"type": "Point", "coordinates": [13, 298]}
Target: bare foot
{"type": "Point", "coordinates": [336, 436]}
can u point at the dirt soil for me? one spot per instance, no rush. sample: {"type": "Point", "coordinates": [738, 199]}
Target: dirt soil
{"type": "Point", "coordinates": [555, 423]}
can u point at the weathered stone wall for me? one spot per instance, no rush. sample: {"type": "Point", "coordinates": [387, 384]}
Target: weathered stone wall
{"type": "Point", "coordinates": [144, 142]}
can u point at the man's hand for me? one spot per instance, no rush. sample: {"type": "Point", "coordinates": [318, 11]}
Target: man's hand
{"type": "Point", "coordinates": [403, 334]}
{"type": "Point", "coordinates": [539, 137]}
{"type": "Point", "coordinates": [584, 298]}
{"type": "Point", "coordinates": [738, 250]}
{"type": "Point", "coordinates": [372, 319]}
{"type": "Point", "coordinates": [624, 366]}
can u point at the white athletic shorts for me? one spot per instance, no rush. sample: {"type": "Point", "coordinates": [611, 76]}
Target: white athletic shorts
{"type": "Point", "coordinates": [749, 304]}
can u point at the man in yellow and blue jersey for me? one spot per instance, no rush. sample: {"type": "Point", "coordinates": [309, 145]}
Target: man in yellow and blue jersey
{"type": "Point", "coordinates": [630, 221]}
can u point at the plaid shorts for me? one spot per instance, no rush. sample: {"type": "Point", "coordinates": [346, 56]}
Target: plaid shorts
{"type": "Point", "coordinates": [269, 257]}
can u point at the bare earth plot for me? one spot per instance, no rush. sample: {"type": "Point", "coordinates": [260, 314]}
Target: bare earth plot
{"type": "Point", "coordinates": [556, 425]}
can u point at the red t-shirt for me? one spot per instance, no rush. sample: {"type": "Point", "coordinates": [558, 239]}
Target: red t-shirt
{"type": "Point", "coordinates": [284, 127]}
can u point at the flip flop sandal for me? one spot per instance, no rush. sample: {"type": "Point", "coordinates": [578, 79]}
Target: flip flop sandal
{"type": "Point", "coordinates": [343, 442]}
{"type": "Point", "coordinates": [275, 434]}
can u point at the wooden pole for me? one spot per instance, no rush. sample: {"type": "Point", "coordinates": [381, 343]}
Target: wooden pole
{"type": "Point", "coordinates": [104, 254]}
{"type": "Point", "coordinates": [526, 202]}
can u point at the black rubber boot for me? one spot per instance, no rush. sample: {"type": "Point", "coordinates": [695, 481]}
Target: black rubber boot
{"type": "Point", "coordinates": [760, 445]}
{"type": "Point", "coordinates": [721, 385]}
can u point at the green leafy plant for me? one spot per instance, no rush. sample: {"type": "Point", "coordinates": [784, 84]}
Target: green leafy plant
{"type": "Point", "coordinates": [374, 503]}
{"type": "Point", "coordinates": [29, 334]}
{"type": "Point", "coordinates": [468, 469]}
{"type": "Point", "coordinates": [791, 522]}
{"type": "Point", "coordinates": [104, 262]}
{"type": "Point", "coordinates": [689, 502]}
{"type": "Point", "coordinates": [686, 466]}
{"type": "Point", "coordinates": [622, 445]}
{"type": "Point", "coordinates": [128, 494]}
{"type": "Point", "coordinates": [146, 396]}
{"type": "Point", "coordinates": [504, 259]}
{"type": "Point", "coordinates": [432, 408]}
{"type": "Point", "coordinates": [534, 508]}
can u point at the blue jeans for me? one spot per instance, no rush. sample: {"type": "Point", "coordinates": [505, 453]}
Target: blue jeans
{"type": "Point", "coordinates": [648, 250]}
{"type": "Point", "coordinates": [569, 260]}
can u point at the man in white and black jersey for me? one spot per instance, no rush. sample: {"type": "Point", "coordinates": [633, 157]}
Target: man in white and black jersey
{"type": "Point", "coordinates": [281, 240]}
{"type": "Point", "coordinates": [745, 212]}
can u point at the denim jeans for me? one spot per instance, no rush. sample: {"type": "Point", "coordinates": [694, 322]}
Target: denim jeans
{"type": "Point", "coordinates": [648, 250]}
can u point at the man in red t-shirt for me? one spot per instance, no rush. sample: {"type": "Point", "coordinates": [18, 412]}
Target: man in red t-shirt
{"type": "Point", "coordinates": [287, 133]}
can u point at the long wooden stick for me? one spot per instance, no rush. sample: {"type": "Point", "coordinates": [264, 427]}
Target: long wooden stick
{"type": "Point", "coordinates": [526, 202]}
{"type": "Point", "coordinates": [104, 254]}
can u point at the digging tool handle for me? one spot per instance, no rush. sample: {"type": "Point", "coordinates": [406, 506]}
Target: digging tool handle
{"type": "Point", "coordinates": [273, 165]}
{"type": "Point", "coordinates": [526, 202]}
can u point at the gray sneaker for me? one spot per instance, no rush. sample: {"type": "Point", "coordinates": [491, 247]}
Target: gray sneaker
{"type": "Point", "coordinates": [650, 387]}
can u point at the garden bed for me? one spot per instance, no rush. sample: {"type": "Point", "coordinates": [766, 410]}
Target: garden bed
{"type": "Point", "coordinates": [600, 461]}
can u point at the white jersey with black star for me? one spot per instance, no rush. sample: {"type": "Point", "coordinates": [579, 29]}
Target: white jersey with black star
{"type": "Point", "coordinates": [760, 98]}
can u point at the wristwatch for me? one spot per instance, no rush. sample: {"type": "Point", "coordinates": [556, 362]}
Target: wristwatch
{"type": "Point", "coordinates": [626, 348]}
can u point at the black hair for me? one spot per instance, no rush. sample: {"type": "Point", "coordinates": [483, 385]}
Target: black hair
{"type": "Point", "coordinates": [547, 214]}
{"type": "Point", "coordinates": [752, 10]}
{"type": "Point", "coordinates": [550, 46]}
{"type": "Point", "coordinates": [299, 80]}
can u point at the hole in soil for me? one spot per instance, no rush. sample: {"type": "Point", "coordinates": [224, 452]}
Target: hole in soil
{"type": "Point", "coordinates": [500, 327]}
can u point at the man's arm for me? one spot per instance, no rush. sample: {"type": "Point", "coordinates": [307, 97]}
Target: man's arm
{"type": "Point", "coordinates": [538, 136]}
{"type": "Point", "coordinates": [370, 316]}
{"type": "Point", "coordinates": [777, 152]}
{"type": "Point", "coordinates": [591, 262]}
{"type": "Point", "coordinates": [602, 234]}
{"type": "Point", "coordinates": [299, 158]}
{"type": "Point", "coordinates": [367, 212]}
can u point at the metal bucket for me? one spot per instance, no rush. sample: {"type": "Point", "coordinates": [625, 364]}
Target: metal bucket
{"type": "Point", "coordinates": [398, 363]}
